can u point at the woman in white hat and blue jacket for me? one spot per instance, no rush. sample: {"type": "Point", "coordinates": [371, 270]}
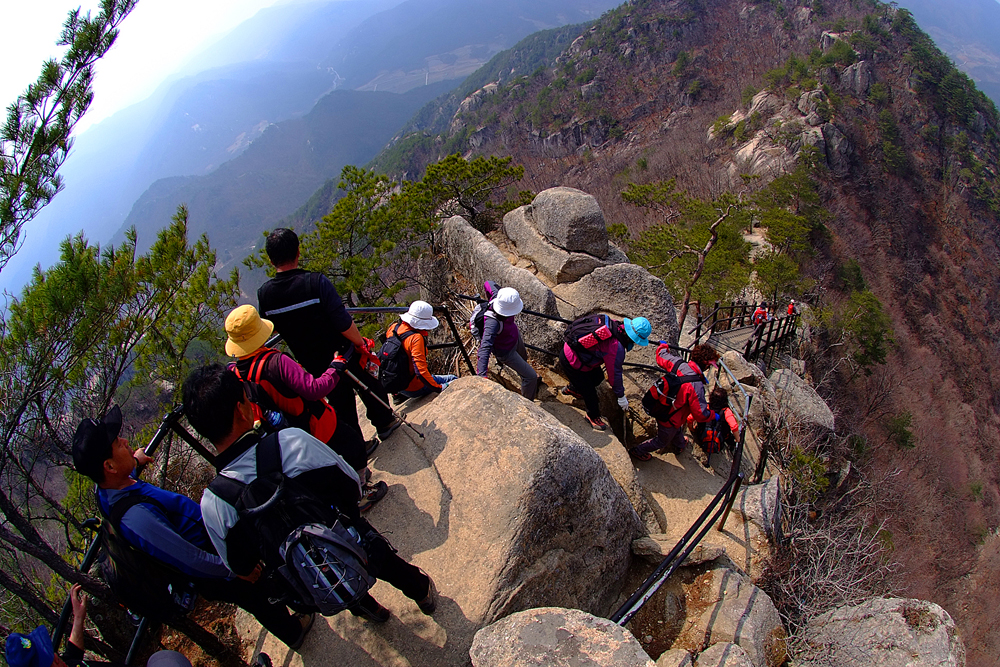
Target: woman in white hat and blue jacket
{"type": "Point", "coordinates": [502, 338]}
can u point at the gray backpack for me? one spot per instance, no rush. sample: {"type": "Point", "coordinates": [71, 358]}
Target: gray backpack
{"type": "Point", "coordinates": [300, 537]}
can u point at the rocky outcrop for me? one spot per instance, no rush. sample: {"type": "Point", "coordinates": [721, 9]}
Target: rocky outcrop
{"type": "Point", "coordinates": [804, 405]}
{"type": "Point", "coordinates": [858, 78]}
{"type": "Point", "coordinates": [891, 632]}
{"type": "Point", "coordinates": [722, 605]}
{"type": "Point", "coordinates": [571, 220]}
{"type": "Point", "coordinates": [556, 638]}
{"type": "Point", "coordinates": [675, 657]}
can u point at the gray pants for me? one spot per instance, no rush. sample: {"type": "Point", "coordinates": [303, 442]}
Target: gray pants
{"type": "Point", "coordinates": [515, 359]}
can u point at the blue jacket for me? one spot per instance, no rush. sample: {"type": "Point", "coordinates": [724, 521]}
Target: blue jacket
{"type": "Point", "coordinates": [177, 537]}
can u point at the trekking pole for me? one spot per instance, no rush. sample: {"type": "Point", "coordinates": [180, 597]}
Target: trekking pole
{"type": "Point", "coordinates": [376, 397]}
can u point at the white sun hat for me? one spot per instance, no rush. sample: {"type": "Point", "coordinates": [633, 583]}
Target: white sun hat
{"type": "Point", "coordinates": [420, 316]}
{"type": "Point", "coordinates": [508, 302]}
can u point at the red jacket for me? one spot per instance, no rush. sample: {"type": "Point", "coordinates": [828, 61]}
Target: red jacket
{"type": "Point", "coordinates": [691, 400]}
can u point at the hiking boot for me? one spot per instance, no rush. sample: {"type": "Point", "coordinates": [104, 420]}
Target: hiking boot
{"type": "Point", "coordinates": [370, 609]}
{"type": "Point", "coordinates": [371, 494]}
{"type": "Point", "coordinates": [569, 391]}
{"type": "Point", "coordinates": [429, 603]}
{"type": "Point", "coordinates": [398, 398]}
{"type": "Point", "coordinates": [371, 446]}
{"type": "Point", "coordinates": [597, 423]}
{"type": "Point", "coordinates": [306, 621]}
{"type": "Point", "coordinates": [640, 456]}
{"type": "Point", "coordinates": [388, 430]}
{"type": "Point", "coordinates": [262, 660]}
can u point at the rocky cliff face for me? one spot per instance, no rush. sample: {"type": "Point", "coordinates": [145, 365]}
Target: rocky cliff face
{"type": "Point", "coordinates": [672, 89]}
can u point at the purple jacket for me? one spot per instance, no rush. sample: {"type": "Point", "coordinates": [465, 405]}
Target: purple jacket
{"type": "Point", "coordinates": [612, 354]}
{"type": "Point", "coordinates": [500, 336]}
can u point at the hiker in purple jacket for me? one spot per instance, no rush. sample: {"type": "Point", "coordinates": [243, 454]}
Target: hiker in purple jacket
{"type": "Point", "coordinates": [502, 337]}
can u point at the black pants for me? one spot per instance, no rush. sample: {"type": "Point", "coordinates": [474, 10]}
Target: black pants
{"type": "Point", "coordinates": [342, 398]}
{"type": "Point", "coordinates": [586, 383]}
{"type": "Point", "coordinates": [275, 618]}
{"type": "Point", "coordinates": [385, 563]}
{"type": "Point", "coordinates": [349, 443]}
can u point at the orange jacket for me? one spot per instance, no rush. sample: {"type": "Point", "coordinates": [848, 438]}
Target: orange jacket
{"type": "Point", "coordinates": [416, 350]}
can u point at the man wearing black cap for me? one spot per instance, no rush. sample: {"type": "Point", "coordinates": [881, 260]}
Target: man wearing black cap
{"type": "Point", "coordinates": [169, 526]}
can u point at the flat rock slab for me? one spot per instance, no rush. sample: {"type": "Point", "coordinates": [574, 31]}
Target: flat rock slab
{"type": "Point", "coordinates": [556, 638]}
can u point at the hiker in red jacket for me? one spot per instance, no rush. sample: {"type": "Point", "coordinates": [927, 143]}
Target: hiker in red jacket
{"type": "Point", "coordinates": [690, 400]}
{"type": "Point", "coordinates": [760, 315]}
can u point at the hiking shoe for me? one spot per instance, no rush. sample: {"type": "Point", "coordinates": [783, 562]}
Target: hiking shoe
{"type": "Point", "coordinates": [569, 391]}
{"type": "Point", "coordinates": [371, 446]}
{"type": "Point", "coordinates": [370, 609]}
{"type": "Point", "coordinates": [262, 660]}
{"type": "Point", "coordinates": [640, 456]}
{"type": "Point", "coordinates": [597, 423]}
{"type": "Point", "coordinates": [371, 494]}
{"type": "Point", "coordinates": [388, 430]}
{"type": "Point", "coordinates": [306, 621]}
{"type": "Point", "coordinates": [398, 398]}
{"type": "Point", "coordinates": [429, 603]}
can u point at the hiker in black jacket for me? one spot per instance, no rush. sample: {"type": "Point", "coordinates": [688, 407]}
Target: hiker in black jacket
{"type": "Point", "coordinates": [312, 320]}
{"type": "Point", "coordinates": [216, 405]}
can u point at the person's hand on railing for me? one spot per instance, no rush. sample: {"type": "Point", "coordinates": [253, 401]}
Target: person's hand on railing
{"type": "Point", "coordinates": [623, 402]}
{"type": "Point", "coordinates": [338, 364]}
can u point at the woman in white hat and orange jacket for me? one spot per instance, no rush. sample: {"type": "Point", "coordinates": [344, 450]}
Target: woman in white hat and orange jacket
{"type": "Point", "coordinates": [420, 319]}
{"type": "Point", "coordinates": [502, 337]}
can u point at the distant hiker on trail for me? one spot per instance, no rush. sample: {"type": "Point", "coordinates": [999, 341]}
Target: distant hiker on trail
{"type": "Point", "coordinates": [791, 307]}
{"type": "Point", "coordinates": [495, 324]}
{"type": "Point", "coordinates": [760, 315]}
{"type": "Point", "coordinates": [590, 342]}
{"type": "Point", "coordinates": [671, 405]}
{"type": "Point", "coordinates": [311, 318]}
{"type": "Point", "coordinates": [725, 429]}
{"type": "Point", "coordinates": [35, 648]}
{"type": "Point", "coordinates": [403, 358]}
{"type": "Point", "coordinates": [168, 526]}
{"type": "Point", "coordinates": [281, 489]}
{"type": "Point", "coordinates": [275, 382]}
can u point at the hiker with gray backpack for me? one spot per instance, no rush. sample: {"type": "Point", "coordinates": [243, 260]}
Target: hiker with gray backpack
{"type": "Point", "coordinates": [593, 341]}
{"type": "Point", "coordinates": [403, 357]}
{"type": "Point", "coordinates": [680, 393]}
{"type": "Point", "coordinates": [289, 504]}
{"type": "Point", "coordinates": [493, 325]}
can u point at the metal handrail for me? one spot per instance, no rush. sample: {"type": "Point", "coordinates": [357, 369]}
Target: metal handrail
{"type": "Point", "coordinates": [718, 510]}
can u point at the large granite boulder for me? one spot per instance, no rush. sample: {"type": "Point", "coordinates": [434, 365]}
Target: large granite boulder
{"type": "Point", "coordinates": [675, 657]}
{"type": "Point", "coordinates": [556, 638]}
{"type": "Point", "coordinates": [478, 259]}
{"type": "Point", "coordinates": [556, 264]}
{"type": "Point", "coordinates": [745, 372]}
{"type": "Point", "coordinates": [804, 405]}
{"type": "Point", "coordinates": [889, 632]}
{"type": "Point", "coordinates": [572, 220]}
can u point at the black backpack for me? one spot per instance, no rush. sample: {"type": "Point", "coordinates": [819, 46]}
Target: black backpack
{"type": "Point", "coordinates": [667, 386]}
{"type": "Point", "coordinates": [395, 370]}
{"type": "Point", "coordinates": [301, 537]}
{"type": "Point", "coordinates": [477, 323]}
{"type": "Point", "coordinates": [142, 584]}
{"type": "Point", "coordinates": [585, 333]}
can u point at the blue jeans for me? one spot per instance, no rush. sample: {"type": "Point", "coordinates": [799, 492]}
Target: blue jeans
{"type": "Point", "coordinates": [427, 389]}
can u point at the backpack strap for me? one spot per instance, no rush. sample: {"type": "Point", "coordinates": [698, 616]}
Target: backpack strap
{"type": "Point", "coordinates": [227, 489]}
{"type": "Point", "coordinates": [268, 456]}
{"type": "Point", "coordinates": [128, 502]}
{"type": "Point", "coordinates": [257, 365]}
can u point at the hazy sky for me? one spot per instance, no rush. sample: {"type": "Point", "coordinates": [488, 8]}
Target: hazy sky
{"type": "Point", "coordinates": [155, 40]}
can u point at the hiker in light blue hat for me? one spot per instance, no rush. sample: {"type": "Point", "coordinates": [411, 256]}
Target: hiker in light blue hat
{"type": "Point", "coordinates": [590, 342]}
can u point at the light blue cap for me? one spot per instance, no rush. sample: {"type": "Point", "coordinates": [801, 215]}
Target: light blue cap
{"type": "Point", "coordinates": [638, 330]}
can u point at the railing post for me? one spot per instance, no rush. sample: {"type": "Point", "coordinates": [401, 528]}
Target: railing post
{"type": "Point", "coordinates": [458, 341]}
{"type": "Point", "coordinates": [730, 501]}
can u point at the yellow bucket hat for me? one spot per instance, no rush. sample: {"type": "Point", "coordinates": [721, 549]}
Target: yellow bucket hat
{"type": "Point", "coordinates": [247, 331]}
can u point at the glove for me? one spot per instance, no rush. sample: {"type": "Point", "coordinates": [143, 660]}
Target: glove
{"type": "Point", "coordinates": [444, 385]}
{"type": "Point", "coordinates": [338, 364]}
{"type": "Point", "coordinates": [622, 402]}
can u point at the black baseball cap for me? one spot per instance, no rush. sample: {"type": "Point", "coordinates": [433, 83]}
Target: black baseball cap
{"type": "Point", "coordinates": [92, 443]}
